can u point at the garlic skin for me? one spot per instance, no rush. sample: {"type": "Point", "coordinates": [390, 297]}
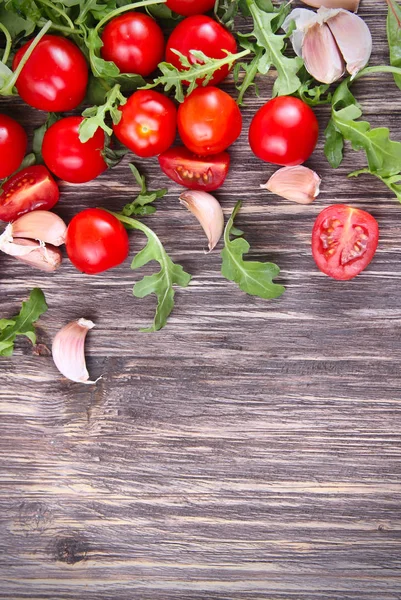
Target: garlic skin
{"type": "Point", "coordinates": [298, 184]}
{"type": "Point", "coordinates": [45, 258]}
{"type": "Point", "coordinates": [321, 55]}
{"type": "Point", "coordinates": [353, 38]}
{"type": "Point", "coordinates": [351, 5]}
{"type": "Point", "coordinates": [68, 351]}
{"type": "Point", "coordinates": [40, 225]}
{"type": "Point", "coordinates": [350, 43]}
{"type": "Point", "coordinates": [208, 211]}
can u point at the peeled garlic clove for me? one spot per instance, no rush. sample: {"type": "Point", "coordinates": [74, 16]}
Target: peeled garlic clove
{"type": "Point", "coordinates": [321, 55]}
{"type": "Point", "coordinates": [353, 38]}
{"type": "Point", "coordinates": [208, 211]}
{"type": "Point", "coordinates": [38, 255]}
{"type": "Point", "coordinates": [69, 351]}
{"type": "Point", "coordinates": [298, 184]}
{"type": "Point", "coordinates": [352, 5]}
{"type": "Point", "coordinates": [40, 225]}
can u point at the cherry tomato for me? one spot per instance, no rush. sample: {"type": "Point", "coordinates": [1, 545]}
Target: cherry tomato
{"type": "Point", "coordinates": [148, 124]}
{"type": "Point", "coordinates": [201, 33]}
{"type": "Point", "coordinates": [209, 121]}
{"type": "Point", "coordinates": [30, 189]}
{"type": "Point", "coordinates": [54, 77]}
{"type": "Point", "coordinates": [194, 172]}
{"type": "Point", "coordinates": [96, 241]}
{"type": "Point", "coordinates": [284, 131]}
{"type": "Point", "coordinates": [13, 143]}
{"type": "Point", "coordinates": [67, 157]}
{"type": "Point", "coordinates": [190, 7]}
{"type": "Point", "coordinates": [344, 241]}
{"type": "Point", "coordinates": [134, 42]}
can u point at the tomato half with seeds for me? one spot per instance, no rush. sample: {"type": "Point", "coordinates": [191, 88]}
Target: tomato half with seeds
{"type": "Point", "coordinates": [201, 33]}
{"type": "Point", "coordinates": [55, 76]}
{"type": "Point", "coordinates": [13, 143]}
{"type": "Point", "coordinates": [96, 241]}
{"type": "Point", "coordinates": [195, 172]}
{"type": "Point", "coordinates": [344, 241]}
{"type": "Point", "coordinates": [32, 188]}
{"type": "Point", "coordinates": [209, 121]}
{"type": "Point", "coordinates": [148, 123]}
{"type": "Point", "coordinates": [190, 7]}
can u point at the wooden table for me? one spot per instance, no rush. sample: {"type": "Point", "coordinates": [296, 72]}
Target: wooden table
{"type": "Point", "coordinates": [251, 449]}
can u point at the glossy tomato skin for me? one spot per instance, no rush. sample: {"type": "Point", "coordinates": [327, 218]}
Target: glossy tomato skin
{"type": "Point", "coordinates": [13, 143]}
{"type": "Point", "coordinates": [55, 76]}
{"type": "Point", "coordinates": [284, 131]}
{"type": "Point", "coordinates": [134, 42]}
{"type": "Point", "coordinates": [344, 241]}
{"type": "Point", "coordinates": [194, 172]}
{"type": "Point", "coordinates": [96, 241]}
{"type": "Point", "coordinates": [209, 121]}
{"type": "Point", "coordinates": [30, 189]}
{"type": "Point", "coordinates": [190, 7]}
{"type": "Point", "coordinates": [67, 157]}
{"type": "Point", "coordinates": [201, 33]}
{"type": "Point", "coordinates": [148, 124]}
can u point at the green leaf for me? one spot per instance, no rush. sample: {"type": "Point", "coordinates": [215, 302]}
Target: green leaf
{"type": "Point", "coordinates": [112, 156]}
{"type": "Point", "coordinates": [23, 323]}
{"type": "Point", "coordinates": [95, 116]}
{"type": "Point", "coordinates": [394, 36]}
{"type": "Point", "coordinates": [266, 22]}
{"type": "Point", "coordinates": [17, 25]}
{"type": "Point", "coordinates": [197, 73]}
{"type": "Point", "coordinates": [161, 283]}
{"type": "Point", "coordinates": [254, 278]}
{"type": "Point", "coordinates": [162, 13]}
{"type": "Point", "coordinates": [141, 206]}
{"type": "Point", "coordinates": [393, 183]}
{"type": "Point", "coordinates": [226, 10]}
{"type": "Point", "coordinates": [39, 134]}
{"type": "Point", "coordinates": [250, 69]}
{"type": "Point", "coordinates": [334, 145]}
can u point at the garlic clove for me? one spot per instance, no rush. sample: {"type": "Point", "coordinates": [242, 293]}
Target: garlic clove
{"type": "Point", "coordinates": [299, 184]}
{"type": "Point", "coordinates": [69, 351]}
{"type": "Point", "coordinates": [36, 254]}
{"type": "Point", "coordinates": [351, 5]}
{"type": "Point", "coordinates": [304, 19]}
{"type": "Point", "coordinates": [321, 54]}
{"type": "Point", "coordinates": [353, 38]}
{"type": "Point", "coordinates": [40, 225]}
{"type": "Point", "coordinates": [208, 211]}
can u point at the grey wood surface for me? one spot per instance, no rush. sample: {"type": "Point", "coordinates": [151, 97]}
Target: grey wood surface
{"type": "Point", "coordinates": [250, 450]}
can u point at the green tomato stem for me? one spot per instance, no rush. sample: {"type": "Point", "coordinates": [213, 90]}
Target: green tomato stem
{"type": "Point", "coordinates": [9, 42]}
{"type": "Point", "coordinates": [128, 7]}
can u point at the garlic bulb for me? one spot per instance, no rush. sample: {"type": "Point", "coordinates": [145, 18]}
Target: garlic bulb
{"type": "Point", "coordinates": [299, 184]}
{"type": "Point", "coordinates": [69, 351]}
{"type": "Point", "coordinates": [328, 40]}
{"type": "Point", "coordinates": [208, 211]}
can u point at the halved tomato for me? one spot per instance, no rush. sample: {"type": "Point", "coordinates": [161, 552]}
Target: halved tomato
{"type": "Point", "coordinates": [344, 241]}
{"type": "Point", "coordinates": [30, 189]}
{"type": "Point", "coordinates": [195, 172]}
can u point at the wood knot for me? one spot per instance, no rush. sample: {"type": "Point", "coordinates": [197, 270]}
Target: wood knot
{"type": "Point", "coordinates": [71, 550]}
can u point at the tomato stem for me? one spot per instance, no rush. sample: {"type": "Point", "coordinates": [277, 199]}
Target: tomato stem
{"type": "Point", "coordinates": [123, 9]}
{"type": "Point", "coordinates": [9, 42]}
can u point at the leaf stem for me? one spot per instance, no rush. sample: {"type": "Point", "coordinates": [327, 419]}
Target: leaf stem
{"type": "Point", "coordinates": [125, 8]}
{"type": "Point", "coordinates": [377, 69]}
{"type": "Point", "coordinates": [59, 11]}
{"type": "Point", "coordinates": [9, 42]}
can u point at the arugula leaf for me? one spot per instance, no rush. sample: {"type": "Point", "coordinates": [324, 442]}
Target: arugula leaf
{"type": "Point", "coordinates": [160, 283]}
{"type": "Point", "coordinates": [95, 115]}
{"type": "Point", "coordinates": [17, 25]}
{"type": "Point", "coordinates": [394, 36]}
{"type": "Point", "coordinates": [141, 205]}
{"type": "Point", "coordinates": [254, 278]}
{"type": "Point", "coordinates": [23, 323]}
{"type": "Point", "coordinates": [226, 10]}
{"type": "Point", "coordinates": [200, 72]}
{"type": "Point", "coordinates": [162, 13]}
{"type": "Point", "coordinates": [39, 134]}
{"type": "Point", "coordinates": [266, 22]}
{"type": "Point", "coordinates": [112, 156]}
{"type": "Point", "coordinates": [250, 69]}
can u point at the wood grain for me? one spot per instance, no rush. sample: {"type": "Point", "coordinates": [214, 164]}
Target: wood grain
{"type": "Point", "coordinates": [250, 450]}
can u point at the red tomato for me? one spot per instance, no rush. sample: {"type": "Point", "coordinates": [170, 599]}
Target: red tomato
{"type": "Point", "coordinates": [30, 189]}
{"type": "Point", "coordinates": [209, 121]}
{"type": "Point", "coordinates": [200, 33]}
{"type": "Point", "coordinates": [148, 124]}
{"type": "Point", "coordinates": [194, 172]}
{"type": "Point", "coordinates": [284, 131]}
{"type": "Point", "coordinates": [134, 42]}
{"type": "Point", "coordinates": [13, 143]}
{"type": "Point", "coordinates": [344, 241]}
{"type": "Point", "coordinates": [190, 7]}
{"type": "Point", "coordinates": [96, 241]}
{"type": "Point", "coordinates": [55, 76]}
{"type": "Point", "coordinates": [70, 159]}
